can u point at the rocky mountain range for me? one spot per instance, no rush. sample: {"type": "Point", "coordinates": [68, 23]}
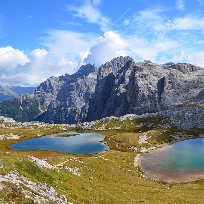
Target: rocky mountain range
{"type": "Point", "coordinates": [116, 88]}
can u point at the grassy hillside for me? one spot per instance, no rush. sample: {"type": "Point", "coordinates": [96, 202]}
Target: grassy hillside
{"type": "Point", "coordinates": [109, 177]}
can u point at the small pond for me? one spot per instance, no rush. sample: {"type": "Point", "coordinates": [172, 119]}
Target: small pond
{"type": "Point", "coordinates": [180, 162]}
{"type": "Point", "coordinates": [84, 143]}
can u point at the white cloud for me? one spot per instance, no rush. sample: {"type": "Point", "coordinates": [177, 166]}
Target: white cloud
{"type": "Point", "coordinates": [10, 57]}
{"type": "Point", "coordinates": [180, 4]}
{"type": "Point", "coordinates": [113, 45]}
{"type": "Point", "coordinates": [165, 44]}
{"type": "Point", "coordinates": [149, 17]}
{"type": "Point", "coordinates": [199, 42]}
{"type": "Point", "coordinates": [66, 43]}
{"type": "Point", "coordinates": [64, 23]}
{"type": "Point", "coordinates": [145, 53]}
{"type": "Point", "coordinates": [16, 68]}
{"type": "Point", "coordinates": [179, 58]}
{"type": "Point", "coordinates": [38, 54]}
{"type": "Point", "coordinates": [91, 14]}
{"type": "Point", "coordinates": [82, 56]}
{"type": "Point", "coordinates": [186, 23]}
{"type": "Point", "coordinates": [106, 48]}
{"type": "Point", "coordinates": [142, 49]}
{"type": "Point", "coordinates": [197, 58]}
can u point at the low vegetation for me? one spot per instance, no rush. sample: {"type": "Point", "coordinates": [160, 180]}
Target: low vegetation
{"type": "Point", "coordinates": [109, 177]}
{"type": "Point", "coordinates": [139, 123]}
{"type": "Point", "coordinates": [21, 111]}
{"type": "Point", "coordinates": [67, 135]}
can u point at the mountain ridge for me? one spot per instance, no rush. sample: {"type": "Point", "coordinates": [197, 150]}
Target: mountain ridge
{"type": "Point", "coordinates": [119, 87]}
{"type": "Point", "coordinates": [10, 92]}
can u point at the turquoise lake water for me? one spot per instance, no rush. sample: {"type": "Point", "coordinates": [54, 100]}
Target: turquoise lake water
{"type": "Point", "coordinates": [182, 160]}
{"type": "Point", "coordinates": [85, 143]}
{"type": "Point", "coordinates": [187, 154]}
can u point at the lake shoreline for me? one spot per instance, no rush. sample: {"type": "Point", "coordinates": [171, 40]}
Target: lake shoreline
{"type": "Point", "coordinates": [169, 176]}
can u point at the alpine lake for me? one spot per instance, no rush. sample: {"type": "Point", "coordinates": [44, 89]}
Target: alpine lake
{"type": "Point", "coordinates": [179, 162]}
{"type": "Point", "coordinates": [78, 143]}
{"type": "Point", "coordinates": [110, 177]}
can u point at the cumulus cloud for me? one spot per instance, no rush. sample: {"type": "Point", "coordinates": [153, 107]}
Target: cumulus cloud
{"type": "Point", "coordinates": [11, 57]}
{"type": "Point", "coordinates": [179, 58]}
{"type": "Point", "coordinates": [66, 51]}
{"type": "Point", "coordinates": [106, 48]}
{"type": "Point", "coordinates": [16, 68]}
{"type": "Point", "coordinates": [112, 45]}
{"type": "Point", "coordinates": [197, 58]}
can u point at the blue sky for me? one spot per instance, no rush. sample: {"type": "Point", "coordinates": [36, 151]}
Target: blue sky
{"type": "Point", "coordinates": [44, 38]}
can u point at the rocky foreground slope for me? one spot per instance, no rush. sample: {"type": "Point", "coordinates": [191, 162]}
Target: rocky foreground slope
{"type": "Point", "coordinates": [117, 88]}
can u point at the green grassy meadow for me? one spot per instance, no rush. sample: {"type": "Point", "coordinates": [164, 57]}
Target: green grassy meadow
{"type": "Point", "coordinates": [109, 177]}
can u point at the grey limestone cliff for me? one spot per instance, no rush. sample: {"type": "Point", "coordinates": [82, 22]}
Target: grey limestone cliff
{"type": "Point", "coordinates": [65, 98]}
{"type": "Point", "coordinates": [144, 87]}
{"type": "Point", "coordinates": [116, 88]}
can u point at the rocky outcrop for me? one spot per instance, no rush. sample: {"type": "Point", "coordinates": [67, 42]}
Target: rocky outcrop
{"type": "Point", "coordinates": [186, 116]}
{"type": "Point", "coordinates": [6, 120]}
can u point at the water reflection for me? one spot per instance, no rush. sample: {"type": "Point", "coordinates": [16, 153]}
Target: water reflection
{"type": "Point", "coordinates": [182, 161]}
{"type": "Point", "coordinates": [85, 143]}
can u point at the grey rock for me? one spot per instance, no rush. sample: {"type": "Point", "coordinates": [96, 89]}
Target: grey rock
{"type": "Point", "coordinates": [116, 88]}
{"type": "Point", "coordinates": [145, 87]}
{"type": "Point", "coordinates": [6, 120]}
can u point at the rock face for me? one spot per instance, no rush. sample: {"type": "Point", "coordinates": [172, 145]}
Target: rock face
{"type": "Point", "coordinates": [116, 88]}
{"type": "Point", "coordinates": [66, 98]}
{"type": "Point", "coordinates": [186, 116]}
{"type": "Point", "coordinates": [138, 88]}
{"type": "Point", "coordinates": [61, 99]}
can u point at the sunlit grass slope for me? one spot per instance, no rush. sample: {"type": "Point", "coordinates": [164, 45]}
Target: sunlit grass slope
{"type": "Point", "coordinates": [109, 177]}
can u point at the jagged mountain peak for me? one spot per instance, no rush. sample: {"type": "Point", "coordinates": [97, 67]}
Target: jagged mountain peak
{"type": "Point", "coordinates": [116, 63]}
{"type": "Point", "coordinates": [118, 87]}
{"type": "Point", "coordinates": [87, 69]}
{"type": "Point", "coordinates": [121, 60]}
